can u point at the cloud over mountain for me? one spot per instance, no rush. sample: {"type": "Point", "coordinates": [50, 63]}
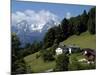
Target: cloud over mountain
{"type": "Point", "coordinates": [32, 25]}
{"type": "Point", "coordinates": [36, 20]}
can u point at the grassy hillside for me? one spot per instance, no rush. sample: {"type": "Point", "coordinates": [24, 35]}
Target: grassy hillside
{"type": "Point", "coordinates": [85, 40]}
{"type": "Point", "coordinates": [37, 64]}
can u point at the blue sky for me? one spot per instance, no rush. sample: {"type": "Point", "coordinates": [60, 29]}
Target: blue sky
{"type": "Point", "coordinates": [58, 9]}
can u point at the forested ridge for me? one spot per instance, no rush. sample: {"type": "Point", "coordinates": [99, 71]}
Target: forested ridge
{"type": "Point", "coordinates": [73, 26]}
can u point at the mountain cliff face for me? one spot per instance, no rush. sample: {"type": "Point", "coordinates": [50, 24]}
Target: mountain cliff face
{"type": "Point", "coordinates": [29, 33]}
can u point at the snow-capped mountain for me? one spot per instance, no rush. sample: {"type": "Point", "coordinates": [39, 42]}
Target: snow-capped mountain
{"type": "Point", "coordinates": [30, 32]}
{"type": "Point", "coordinates": [31, 25]}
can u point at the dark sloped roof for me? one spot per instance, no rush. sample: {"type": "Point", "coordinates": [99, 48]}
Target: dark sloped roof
{"type": "Point", "coordinates": [73, 46]}
{"type": "Point", "coordinates": [89, 51]}
{"type": "Point", "coordinates": [69, 46]}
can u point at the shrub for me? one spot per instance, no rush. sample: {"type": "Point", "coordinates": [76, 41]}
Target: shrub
{"type": "Point", "coordinates": [62, 62]}
{"type": "Point", "coordinates": [37, 56]}
{"type": "Point", "coordinates": [47, 55]}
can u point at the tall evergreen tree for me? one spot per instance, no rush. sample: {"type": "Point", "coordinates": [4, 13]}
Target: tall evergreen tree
{"type": "Point", "coordinates": [64, 28]}
{"type": "Point", "coordinates": [18, 65]}
{"type": "Point", "coordinates": [92, 20]}
{"type": "Point", "coordinates": [77, 25]}
{"type": "Point", "coordinates": [58, 34]}
{"type": "Point", "coordinates": [49, 38]}
{"type": "Point", "coordinates": [15, 46]}
{"type": "Point", "coordinates": [84, 20]}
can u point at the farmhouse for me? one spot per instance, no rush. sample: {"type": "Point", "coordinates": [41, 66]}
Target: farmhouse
{"type": "Point", "coordinates": [67, 49]}
{"type": "Point", "coordinates": [90, 54]}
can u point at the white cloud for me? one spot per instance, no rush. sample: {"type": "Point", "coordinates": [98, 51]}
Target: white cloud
{"type": "Point", "coordinates": [35, 19]}
{"type": "Point", "coordinates": [68, 15]}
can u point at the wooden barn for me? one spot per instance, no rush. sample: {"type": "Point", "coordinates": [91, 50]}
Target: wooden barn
{"type": "Point", "coordinates": [89, 54]}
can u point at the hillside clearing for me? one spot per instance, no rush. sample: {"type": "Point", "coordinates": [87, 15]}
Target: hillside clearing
{"type": "Point", "coordinates": [38, 65]}
{"type": "Point", "coordinates": [85, 40]}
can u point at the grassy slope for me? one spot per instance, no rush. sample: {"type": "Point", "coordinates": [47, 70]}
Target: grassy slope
{"type": "Point", "coordinates": [38, 65]}
{"type": "Point", "coordinates": [85, 40]}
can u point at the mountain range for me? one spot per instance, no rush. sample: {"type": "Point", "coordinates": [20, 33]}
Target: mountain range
{"type": "Point", "coordinates": [28, 33]}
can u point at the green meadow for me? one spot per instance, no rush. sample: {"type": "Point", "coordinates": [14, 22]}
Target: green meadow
{"type": "Point", "coordinates": [85, 40]}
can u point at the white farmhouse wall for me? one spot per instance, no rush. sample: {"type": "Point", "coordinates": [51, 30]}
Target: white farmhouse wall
{"type": "Point", "coordinates": [70, 50]}
{"type": "Point", "coordinates": [59, 51]}
{"type": "Point", "coordinates": [85, 52]}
